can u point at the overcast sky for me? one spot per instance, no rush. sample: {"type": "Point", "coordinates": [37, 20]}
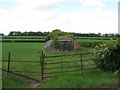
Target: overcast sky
{"type": "Point", "coordinates": [83, 16]}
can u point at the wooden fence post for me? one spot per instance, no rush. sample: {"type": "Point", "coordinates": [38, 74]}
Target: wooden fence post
{"type": "Point", "coordinates": [81, 64]}
{"type": "Point", "coordinates": [9, 62]}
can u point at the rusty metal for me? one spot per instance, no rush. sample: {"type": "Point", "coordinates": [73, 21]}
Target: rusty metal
{"type": "Point", "coordinates": [90, 69]}
{"type": "Point", "coordinates": [88, 65]}
{"type": "Point", "coordinates": [67, 66]}
{"type": "Point", "coordinates": [86, 60]}
{"type": "Point", "coordinates": [63, 67]}
{"type": "Point", "coordinates": [64, 62]}
{"type": "Point", "coordinates": [19, 61]}
{"type": "Point", "coordinates": [50, 77]}
{"type": "Point", "coordinates": [42, 65]}
{"type": "Point", "coordinates": [42, 60]}
{"type": "Point", "coordinates": [9, 62]}
{"type": "Point", "coordinates": [62, 71]}
{"type": "Point", "coordinates": [4, 60]}
{"type": "Point", "coordinates": [76, 74]}
{"type": "Point", "coordinates": [65, 55]}
{"type": "Point", "coordinates": [81, 64]}
{"type": "Point", "coordinates": [27, 71]}
{"type": "Point", "coordinates": [20, 75]}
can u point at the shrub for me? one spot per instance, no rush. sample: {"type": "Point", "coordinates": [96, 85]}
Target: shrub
{"type": "Point", "coordinates": [108, 56]}
{"type": "Point", "coordinates": [57, 33]}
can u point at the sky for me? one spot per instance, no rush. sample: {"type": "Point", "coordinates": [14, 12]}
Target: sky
{"type": "Point", "coordinates": [80, 16]}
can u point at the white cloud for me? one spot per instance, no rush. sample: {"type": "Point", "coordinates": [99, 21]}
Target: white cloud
{"type": "Point", "coordinates": [95, 21]}
{"type": "Point", "coordinates": [34, 15]}
{"type": "Point", "coordinates": [93, 3]}
{"type": "Point", "coordinates": [115, 1]}
{"type": "Point", "coordinates": [39, 4]}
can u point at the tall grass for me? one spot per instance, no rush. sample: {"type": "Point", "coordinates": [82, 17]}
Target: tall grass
{"type": "Point", "coordinates": [95, 79]}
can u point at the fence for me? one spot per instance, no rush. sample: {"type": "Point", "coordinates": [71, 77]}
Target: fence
{"type": "Point", "coordinates": [43, 65]}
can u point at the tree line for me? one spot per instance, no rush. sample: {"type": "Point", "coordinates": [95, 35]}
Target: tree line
{"type": "Point", "coordinates": [18, 33]}
{"type": "Point", "coordinates": [39, 33]}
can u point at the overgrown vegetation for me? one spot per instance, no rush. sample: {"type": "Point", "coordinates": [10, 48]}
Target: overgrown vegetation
{"type": "Point", "coordinates": [95, 79]}
{"type": "Point", "coordinates": [55, 34]}
{"type": "Point", "coordinates": [108, 56]}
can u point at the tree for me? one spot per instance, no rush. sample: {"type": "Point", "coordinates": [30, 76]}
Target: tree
{"type": "Point", "coordinates": [105, 35]}
{"type": "Point", "coordinates": [11, 33]}
{"type": "Point", "coordinates": [25, 34]}
{"type": "Point", "coordinates": [117, 35]}
{"type": "Point", "coordinates": [99, 34]}
{"type": "Point", "coordinates": [18, 33]}
{"type": "Point", "coordinates": [57, 33]}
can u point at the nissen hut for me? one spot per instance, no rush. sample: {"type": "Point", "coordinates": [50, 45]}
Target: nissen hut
{"type": "Point", "coordinates": [67, 44]}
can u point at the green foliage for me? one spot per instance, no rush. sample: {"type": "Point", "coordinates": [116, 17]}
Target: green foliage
{"type": "Point", "coordinates": [57, 33]}
{"type": "Point", "coordinates": [108, 56]}
{"type": "Point", "coordinates": [56, 43]}
{"type": "Point", "coordinates": [30, 33]}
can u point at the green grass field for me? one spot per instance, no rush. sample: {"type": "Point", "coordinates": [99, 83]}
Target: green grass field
{"type": "Point", "coordinates": [43, 37]}
{"type": "Point", "coordinates": [97, 38]}
{"type": "Point", "coordinates": [32, 52]}
{"type": "Point", "coordinates": [23, 37]}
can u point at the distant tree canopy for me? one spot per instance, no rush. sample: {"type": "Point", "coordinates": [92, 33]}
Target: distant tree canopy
{"type": "Point", "coordinates": [60, 33]}
{"type": "Point", "coordinates": [57, 33]}
{"type": "Point", "coordinates": [18, 33]}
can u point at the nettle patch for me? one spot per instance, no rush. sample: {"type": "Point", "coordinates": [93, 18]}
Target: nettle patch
{"type": "Point", "coordinates": [108, 56]}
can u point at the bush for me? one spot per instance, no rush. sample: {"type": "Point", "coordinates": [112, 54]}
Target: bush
{"type": "Point", "coordinates": [108, 56]}
{"type": "Point", "coordinates": [57, 33]}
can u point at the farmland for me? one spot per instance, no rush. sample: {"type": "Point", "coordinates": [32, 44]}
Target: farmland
{"type": "Point", "coordinates": [23, 37]}
{"type": "Point", "coordinates": [32, 52]}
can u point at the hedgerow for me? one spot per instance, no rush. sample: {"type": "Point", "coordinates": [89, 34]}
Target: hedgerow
{"type": "Point", "coordinates": [108, 56]}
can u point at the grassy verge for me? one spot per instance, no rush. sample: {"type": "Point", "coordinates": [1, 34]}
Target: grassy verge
{"type": "Point", "coordinates": [95, 79]}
